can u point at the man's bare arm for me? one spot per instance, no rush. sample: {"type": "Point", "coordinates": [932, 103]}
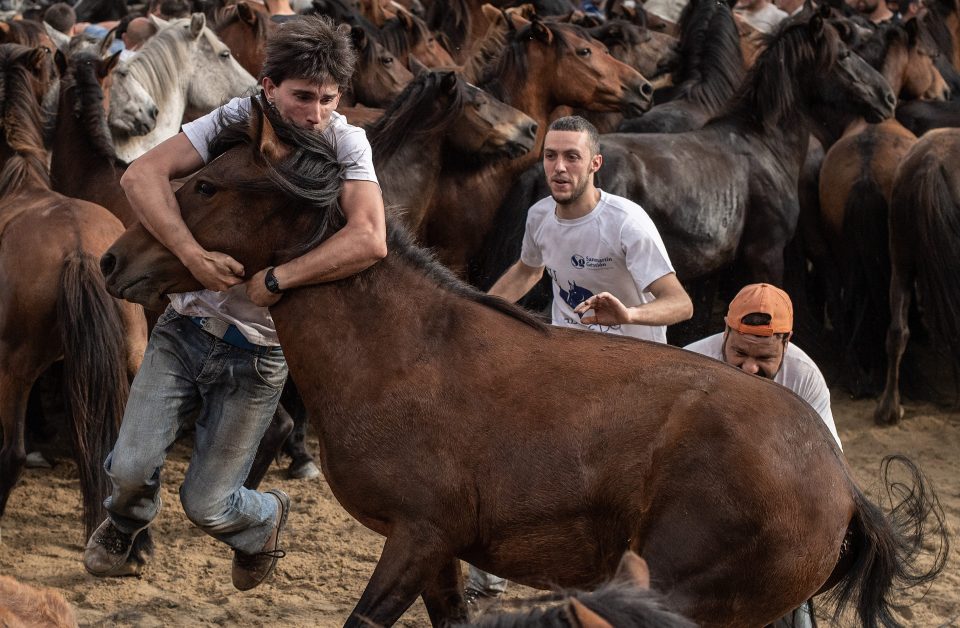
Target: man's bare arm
{"type": "Point", "coordinates": [517, 281]}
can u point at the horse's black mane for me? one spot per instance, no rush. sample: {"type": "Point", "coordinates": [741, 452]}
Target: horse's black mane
{"type": "Point", "coordinates": [772, 91]}
{"type": "Point", "coordinates": [621, 604]}
{"type": "Point", "coordinates": [81, 78]}
{"type": "Point", "coordinates": [710, 62]}
{"type": "Point", "coordinates": [874, 49]}
{"type": "Point", "coordinates": [311, 177]}
{"type": "Point", "coordinates": [510, 68]}
{"type": "Point", "coordinates": [396, 38]}
{"type": "Point", "coordinates": [20, 120]}
{"type": "Point", "coordinates": [415, 110]}
{"type": "Point", "coordinates": [452, 18]}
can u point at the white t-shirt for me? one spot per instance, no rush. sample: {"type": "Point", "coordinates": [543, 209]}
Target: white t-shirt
{"type": "Point", "coordinates": [798, 373]}
{"type": "Point", "coordinates": [615, 248]}
{"type": "Point", "coordinates": [233, 306]}
{"type": "Point", "coordinates": [766, 19]}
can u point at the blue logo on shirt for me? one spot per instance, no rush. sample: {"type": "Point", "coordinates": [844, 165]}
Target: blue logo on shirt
{"type": "Point", "coordinates": [577, 261]}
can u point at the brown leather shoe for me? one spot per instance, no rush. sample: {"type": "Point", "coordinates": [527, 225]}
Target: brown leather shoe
{"type": "Point", "coordinates": [249, 570]}
{"type": "Point", "coordinates": [107, 553]}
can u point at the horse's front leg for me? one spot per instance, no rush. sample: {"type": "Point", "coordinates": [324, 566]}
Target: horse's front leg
{"type": "Point", "coordinates": [411, 562]}
{"type": "Point", "coordinates": [443, 597]}
{"type": "Point", "coordinates": [889, 410]}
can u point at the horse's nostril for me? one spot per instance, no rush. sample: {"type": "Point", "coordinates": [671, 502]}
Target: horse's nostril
{"type": "Point", "coordinates": [646, 89]}
{"type": "Point", "coordinates": [107, 264]}
{"type": "Point", "coordinates": [890, 98]}
{"type": "Point", "coordinates": [532, 130]}
{"type": "Point", "coordinates": [154, 112]}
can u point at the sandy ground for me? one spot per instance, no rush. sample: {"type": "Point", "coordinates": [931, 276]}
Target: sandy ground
{"type": "Point", "coordinates": [330, 556]}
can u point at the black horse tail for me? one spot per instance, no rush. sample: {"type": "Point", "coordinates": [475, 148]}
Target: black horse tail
{"type": "Point", "coordinates": [95, 374]}
{"type": "Point", "coordinates": [937, 224]}
{"type": "Point", "coordinates": [866, 312]}
{"type": "Point", "coordinates": [885, 548]}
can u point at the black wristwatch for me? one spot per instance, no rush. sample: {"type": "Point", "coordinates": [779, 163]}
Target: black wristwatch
{"type": "Point", "coordinates": [270, 281]}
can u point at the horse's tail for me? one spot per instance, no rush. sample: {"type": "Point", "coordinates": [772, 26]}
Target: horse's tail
{"type": "Point", "coordinates": [936, 217]}
{"type": "Point", "coordinates": [95, 374]}
{"type": "Point", "coordinates": [885, 547]}
{"type": "Point", "coordinates": [866, 313]}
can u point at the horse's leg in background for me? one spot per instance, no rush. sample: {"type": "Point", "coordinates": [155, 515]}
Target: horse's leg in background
{"type": "Point", "coordinates": [443, 596]}
{"type": "Point", "coordinates": [14, 393]}
{"type": "Point", "coordinates": [703, 293]}
{"type": "Point", "coordinates": [411, 560]}
{"type": "Point", "coordinates": [888, 410]}
{"type": "Point", "coordinates": [301, 466]}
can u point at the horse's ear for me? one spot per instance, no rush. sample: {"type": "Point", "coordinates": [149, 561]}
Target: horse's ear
{"type": "Point", "coordinates": [585, 617]}
{"type": "Point", "coordinates": [261, 132]}
{"type": "Point", "coordinates": [490, 12]}
{"type": "Point", "coordinates": [824, 11]}
{"type": "Point", "coordinates": [104, 48]}
{"type": "Point", "coordinates": [107, 66]}
{"type": "Point", "coordinates": [541, 31]}
{"type": "Point", "coordinates": [60, 40]}
{"type": "Point", "coordinates": [815, 25]}
{"type": "Point", "coordinates": [246, 13]}
{"type": "Point", "coordinates": [416, 67]}
{"type": "Point", "coordinates": [159, 22]}
{"type": "Point", "coordinates": [634, 570]}
{"type": "Point", "coordinates": [38, 59]}
{"type": "Point", "coordinates": [913, 31]}
{"type": "Point", "coordinates": [515, 21]}
{"type": "Point", "coordinates": [61, 60]}
{"type": "Point", "coordinates": [359, 37]}
{"type": "Point", "coordinates": [448, 82]}
{"type": "Point", "coordinates": [406, 18]}
{"type": "Point", "coordinates": [197, 22]}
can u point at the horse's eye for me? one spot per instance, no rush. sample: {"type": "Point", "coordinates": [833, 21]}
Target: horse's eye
{"type": "Point", "coordinates": [205, 188]}
{"type": "Point", "coordinates": [386, 60]}
{"type": "Point", "coordinates": [584, 52]}
{"type": "Point", "coordinates": [225, 54]}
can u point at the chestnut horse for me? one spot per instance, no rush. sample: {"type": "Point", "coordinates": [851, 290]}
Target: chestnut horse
{"type": "Point", "coordinates": [407, 36]}
{"type": "Point", "coordinates": [450, 423]}
{"type": "Point", "coordinates": [244, 28]}
{"type": "Point", "coordinates": [924, 237]}
{"type": "Point", "coordinates": [379, 76]}
{"type": "Point", "coordinates": [856, 181]}
{"type": "Point", "coordinates": [27, 607]}
{"type": "Point", "coordinates": [53, 303]}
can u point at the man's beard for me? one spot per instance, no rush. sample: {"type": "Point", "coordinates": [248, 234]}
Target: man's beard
{"type": "Point", "coordinates": [574, 195]}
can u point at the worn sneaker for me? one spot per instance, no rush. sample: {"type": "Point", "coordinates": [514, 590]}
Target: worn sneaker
{"type": "Point", "coordinates": [249, 570]}
{"type": "Point", "coordinates": [108, 552]}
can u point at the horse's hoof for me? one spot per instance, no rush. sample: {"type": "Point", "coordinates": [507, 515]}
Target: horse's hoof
{"type": "Point", "coordinates": [306, 471]}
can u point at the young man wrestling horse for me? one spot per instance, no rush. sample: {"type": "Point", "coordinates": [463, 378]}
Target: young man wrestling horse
{"type": "Point", "coordinates": [215, 352]}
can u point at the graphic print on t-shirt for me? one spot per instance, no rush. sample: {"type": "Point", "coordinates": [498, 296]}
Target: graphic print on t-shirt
{"type": "Point", "coordinates": [573, 296]}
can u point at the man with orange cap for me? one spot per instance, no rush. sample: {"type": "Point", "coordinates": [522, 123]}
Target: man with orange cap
{"type": "Point", "coordinates": [757, 341]}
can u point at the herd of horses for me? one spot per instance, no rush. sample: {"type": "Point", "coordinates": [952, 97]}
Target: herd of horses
{"type": "Point", "coordinates": [738, 146]}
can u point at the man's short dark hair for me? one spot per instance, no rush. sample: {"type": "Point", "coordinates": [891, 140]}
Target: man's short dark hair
{"type": "Point", "coordinates": [60, 16]}
{"type": "Point", "coordinates": [579, 125]}
{"type": "Point", "coordinates": [311, 48]}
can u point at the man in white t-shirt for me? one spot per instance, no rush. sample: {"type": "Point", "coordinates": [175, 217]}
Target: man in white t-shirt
{"type": "Point", "coordinates": [602, 253]}
{"type": "Point", "coordinates": [214, 353]}
{"type": "Point", "coordinates": [757, 341]}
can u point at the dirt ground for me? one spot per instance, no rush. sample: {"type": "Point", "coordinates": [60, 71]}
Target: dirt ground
{"type": "Point", "coordinates": [330, 556]}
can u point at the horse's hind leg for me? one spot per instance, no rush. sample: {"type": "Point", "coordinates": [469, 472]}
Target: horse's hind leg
{"type": "Point", "coordinates": [278, 431]}
{"type": "Point", "coordinates": [14, 393]}
{"type": "Point", "coordinates": [410, 562]}
{"type": "Point", "coordinates": [443, 596]}
{"type": "Point", "coordinates": [888, 410]}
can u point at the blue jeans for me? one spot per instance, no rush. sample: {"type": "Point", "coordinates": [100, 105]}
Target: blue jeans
{"type": "Point", "coordinates": [233, 393]}
{"type": "Point", "coordinates": [486, 583]}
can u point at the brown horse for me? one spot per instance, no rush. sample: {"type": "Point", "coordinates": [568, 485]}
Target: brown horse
{"type": "Point", "coordinates": [407, 36]}
{"type": "Point", "coordinates": [53, 303]}
{"type": "Point", "coordinates": [544, 65]}
{"type": "Point", "coordinates": [83, 161]}
{"type": "Point", "coordinates": [244, 28]}
{"type": "Point", "coordinates": [439, 130]}
{"type": "Point", "coordinates": [924, 236]}
{"type": "Point", "coordinates": [447, 424]}
{"type": "Point", "coordinates": [379, 77]}
{"type": "Point", "coordinates": [27, 607]}
{"type": "Point", "coordinates": [856, 182]}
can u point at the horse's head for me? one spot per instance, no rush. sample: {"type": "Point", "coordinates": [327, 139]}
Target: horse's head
{"type": "Point", "coordinates": [132, 111]}
{"type": "Point", "coordinates": [488, 127]}
{"type": "Point", "coordinates": [583, 73]}
{"type": "Point", "coordinates": [637, 46]}
{"type": "Point", "coordinates": [220, 76]}
{"type": "Point", "coordinates": [379, 77]}
{"type": "Point", "coordinates": [269, 195]}
{"type": "Point", "coordinates": [26, 79]}
{"type": "Point", "coordinates": [244, 28]}
{"type": "Point", "coordinates": [86, 85]}
{"type": "Point", "coordinates": [922, 79]}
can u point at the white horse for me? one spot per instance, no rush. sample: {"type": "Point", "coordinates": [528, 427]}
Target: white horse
{"type": "Point", "coordinates": [183, 65]}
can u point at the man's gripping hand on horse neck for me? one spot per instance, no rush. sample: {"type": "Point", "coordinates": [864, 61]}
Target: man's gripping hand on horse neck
{"type": "Point", "coordinates": [147, 186]}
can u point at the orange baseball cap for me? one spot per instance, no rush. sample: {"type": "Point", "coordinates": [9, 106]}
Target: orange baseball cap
{"type": "Point", "coordinates": [761, 298]}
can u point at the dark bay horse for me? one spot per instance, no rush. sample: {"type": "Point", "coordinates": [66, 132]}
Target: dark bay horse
{"type": "Point", "coordinates": [379, 77]}
{"type": "Point", "coordinates": [53, 303]}
{"type": "Point", "coordinates": [707, 72]}
{"type": "Point", "coordinates": [924, 236]}
{"type": "Point", "coordinates": [544, 65]}
{"type": "Point", "coordinates": [244, 28]}
{"type": "Point", "coordinates": [731, 187]}
{"type": "Point", "coordinates": [855, 185]}
{"type": "Point", "coordinates": [438, 131]}
{"type": "Point", "coordinates": [460, 427]}
{"type": "Point", "coordinates": [407, 36]}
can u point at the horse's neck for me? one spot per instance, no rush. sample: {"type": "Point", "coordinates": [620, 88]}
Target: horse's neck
{"type": "Point", "coordinates": [77, 168]}
{"type": "Point", "coordinates": [22, 172]}
{"type": "Point", "coordinates": [895, 67]}
{"type": "Point", "coordinates": [409, 178]}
